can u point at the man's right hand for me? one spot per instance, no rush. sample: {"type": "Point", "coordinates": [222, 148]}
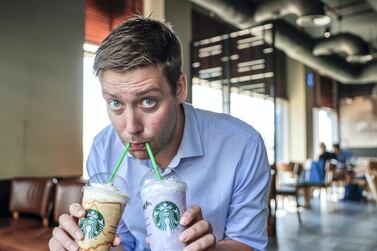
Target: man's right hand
{"type": "Point", "coordinates": [64, 236]}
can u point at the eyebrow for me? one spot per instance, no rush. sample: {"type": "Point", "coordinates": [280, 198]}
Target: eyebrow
{"type": "Point", "coordinates": [109, 94]}
{"type": "Point", "coordinates": [143, 92]}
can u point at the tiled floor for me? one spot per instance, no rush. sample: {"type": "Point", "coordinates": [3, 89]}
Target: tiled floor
{"type": "Point", "coordinates": [328, 226]}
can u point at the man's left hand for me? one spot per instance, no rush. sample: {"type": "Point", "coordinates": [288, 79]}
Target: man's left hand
{"type": "Point", "coordinates": [198, 233]}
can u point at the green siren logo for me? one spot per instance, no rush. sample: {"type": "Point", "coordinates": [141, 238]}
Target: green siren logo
{"type": "Point", "coordinates": [92, 224]}
{"type": "Point", "coordinates": [166, 216]}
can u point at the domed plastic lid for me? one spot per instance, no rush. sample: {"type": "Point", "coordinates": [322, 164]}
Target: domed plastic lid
{"type": "Point", "coordinates": [169, 178]}
{"type": "Point", "coordinates": [101, 180]}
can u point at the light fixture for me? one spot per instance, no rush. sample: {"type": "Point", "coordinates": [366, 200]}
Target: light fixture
{"type": "Point", "coordinates": [361, 59]}
{"type": "Point", "coordinates": [327, 33]}
{"type": "Point", "coordinates": [313, 21]}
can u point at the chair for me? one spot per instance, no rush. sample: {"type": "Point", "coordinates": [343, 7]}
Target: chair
{"type": "Point", "coordinates": [371, 177]}
{"type": "Point", "coordinates": [271, 219]}
{"type": "Point", "coordinates": [330, 168]}
{"type": "Point", "coordinates": [340, 175]}
{"type": "Point", "coordinates": [326, 185]}
{"type": "Point", "coordinates": [30, 197]}
{"type": "Point", "coordinates": [67, 192]}
{"type": "Point", "coordinates": [289, 189]}
{"type": "Point", "coordinates": [30, 205]}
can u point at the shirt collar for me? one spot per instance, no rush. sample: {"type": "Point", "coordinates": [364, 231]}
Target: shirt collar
{"type": "Point", "coordinates": [191, 144]}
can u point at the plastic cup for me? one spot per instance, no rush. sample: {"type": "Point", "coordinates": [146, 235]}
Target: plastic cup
{"type": "Point", "coordinates": [104, 204]}
{"type": "Point", "coordinates": [164, 202]}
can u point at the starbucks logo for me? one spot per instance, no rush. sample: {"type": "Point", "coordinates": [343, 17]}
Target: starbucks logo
{"type": "Point", "coordinates": [92, 224]}
{"type": "Point", "coordinates": [166, 216]}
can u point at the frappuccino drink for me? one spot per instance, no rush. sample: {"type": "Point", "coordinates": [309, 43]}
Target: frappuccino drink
{"type": "Point", "coordinates": [104, 204]}
{"type": "Point", "coordinates": [164, 202]}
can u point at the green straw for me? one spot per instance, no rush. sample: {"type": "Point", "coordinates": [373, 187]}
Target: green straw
{"type": "Point", "coordinates": [119, 162]}
{"type": "Point", "coordinates": [150, 153]}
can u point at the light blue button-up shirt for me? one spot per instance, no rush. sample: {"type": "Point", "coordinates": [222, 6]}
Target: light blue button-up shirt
{"type": "Point", "coordinates": [224, 164]}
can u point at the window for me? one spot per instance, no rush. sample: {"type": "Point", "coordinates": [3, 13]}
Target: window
{"type": "Point", "coordinates": [282, 146]}
{"type": "Point", "coordinates": [94, 109]}
{"type": "Point", "coordinates": [207, 98]}
{"type": "Point", "coordinates": [255, 109]}
{"type": "Point", "coordinates": [257, 112]}
{"type": "Point", "coordinates": [325, 128]}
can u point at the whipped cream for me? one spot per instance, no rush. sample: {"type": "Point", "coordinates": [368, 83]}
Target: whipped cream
{"type": "Point", "coordinates": [104, 192]}
{"type": "Point", "coordinates": [167, 185]}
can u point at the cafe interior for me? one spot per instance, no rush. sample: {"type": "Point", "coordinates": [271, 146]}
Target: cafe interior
{"type": "Point", "coordinates": [303, 73]}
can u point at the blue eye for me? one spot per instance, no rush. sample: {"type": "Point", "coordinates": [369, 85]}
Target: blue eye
{"type": "Point", "coordinates": [148, 102]}
{"type": "Point", "coordinates": [115, 105]}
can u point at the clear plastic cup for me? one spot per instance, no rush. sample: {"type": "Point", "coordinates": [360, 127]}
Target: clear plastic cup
{"type": "Point", "coordinates": [104, 204]}
{"type": "Point", "coordinates": [164, 202]}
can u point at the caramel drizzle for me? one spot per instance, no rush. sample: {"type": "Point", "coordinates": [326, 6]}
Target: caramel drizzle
{"type": "Point", "coordinates": [92, 204]}
{"type": "Point", "coordinates": [106, 243]}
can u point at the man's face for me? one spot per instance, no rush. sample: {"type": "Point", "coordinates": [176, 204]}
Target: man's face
{"type": "Point", "coordinates": [335, 150]}
{"type": "Point", "coordinates": [142, 108]}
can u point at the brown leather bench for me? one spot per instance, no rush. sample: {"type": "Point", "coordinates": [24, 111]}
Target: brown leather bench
{"type": "Point", "coordinates": [14, 236]}
{"type": "Point", "coordinates": [30, 204]}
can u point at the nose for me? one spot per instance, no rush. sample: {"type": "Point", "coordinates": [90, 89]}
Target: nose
{"type": "Point", "coordinates": [133, 123]}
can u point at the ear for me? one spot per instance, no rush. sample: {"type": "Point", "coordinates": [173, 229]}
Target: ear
{"type": "Point", "coordinates": [181, 92]}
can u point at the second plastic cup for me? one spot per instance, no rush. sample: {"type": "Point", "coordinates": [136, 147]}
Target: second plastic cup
{"type": "Point", "coordinates": [164, 202]}
{"type": "Point", "coordinates": [104, 204]}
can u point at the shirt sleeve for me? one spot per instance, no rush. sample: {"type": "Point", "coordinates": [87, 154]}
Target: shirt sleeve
{"type": "Point", "coordinates": [95, 160]}
{"type": "Point", "coordinates": [248, 210]}
{"type": "Point", "coordinates": [96, 163]}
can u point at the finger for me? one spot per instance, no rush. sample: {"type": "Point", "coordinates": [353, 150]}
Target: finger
{"type": "Point", "coordinates": [69, 225]}
{"type": "Point", "coordinates": [148, 241]}
{"type": "Point", "coordinates": [193, 214]}
{"type": "Point", "coordinates": [63, 239]}
{"type": "Point", "coordinates": [116, 241]}
{"type": "Point", "coordinates": [195, 231]}
{"type": "Point", "coordinates": [76, 210]}
{"type": "Point", "coordinates": [207, 241]}
{"type": "Point", "coordinates": [54, 245]}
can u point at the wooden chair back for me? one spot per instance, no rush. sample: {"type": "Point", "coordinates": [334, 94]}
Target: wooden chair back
{"type": "Point", "coordinates": [292, 169]}
{"type": "Point", "coordinates": [371, 177]}
{"type": "Point", "coordinates": [372, 167]}
{"type": "Point", "coordinates": [330, 168]}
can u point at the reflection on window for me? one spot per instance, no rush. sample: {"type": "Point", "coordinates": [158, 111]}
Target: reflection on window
{"type": "Point", "coordinates": [94, 108]}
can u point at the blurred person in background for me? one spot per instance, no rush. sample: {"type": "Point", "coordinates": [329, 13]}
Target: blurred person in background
{"type": "Point", "coordinates": [317, 170]}
{"type": "Point", "coordinates": [343, 157]}
{"type": "Point", "coordinates": [325, 155]}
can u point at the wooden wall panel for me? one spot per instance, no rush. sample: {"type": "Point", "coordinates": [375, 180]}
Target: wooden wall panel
{"type": "Point", "coordinates": [104, 15]}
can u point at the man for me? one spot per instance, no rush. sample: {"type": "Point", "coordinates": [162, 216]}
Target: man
{"type": "Point", "coordinates": [352, 190]}
{"type": "Point", "coordinates": [318, 168]}
{"type": "Point", "coordinates": [222, 160]}
{"type": "Point", "coordinates": [342, 156]}
{"type": "Point", "coordinates": [324, 154]}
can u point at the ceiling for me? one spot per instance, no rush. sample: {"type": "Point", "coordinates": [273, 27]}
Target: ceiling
{"type": "Point", "coordinates": [353, 16]}
{"type": "Point", "coordinates": [353, 30]}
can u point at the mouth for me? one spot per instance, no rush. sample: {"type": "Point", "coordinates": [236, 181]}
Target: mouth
{"type": "Point", "coordinates": [137, 146]}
